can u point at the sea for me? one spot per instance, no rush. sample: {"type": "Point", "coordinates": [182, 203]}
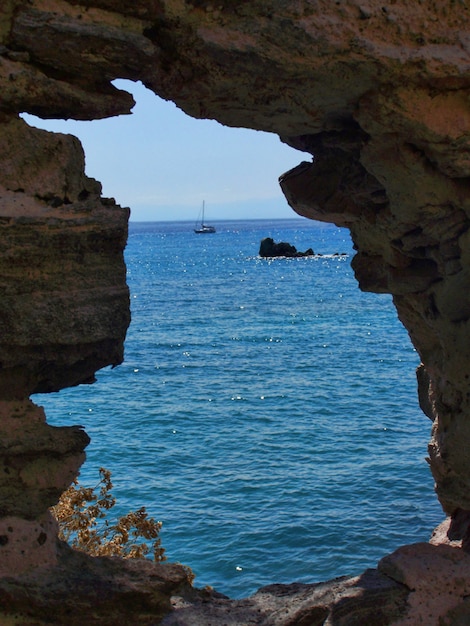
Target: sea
{"type": "Point", "coordinates": [266, 411]}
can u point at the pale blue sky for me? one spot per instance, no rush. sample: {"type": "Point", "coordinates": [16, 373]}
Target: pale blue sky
{"type": "Point", "coordinates": [163, 164]}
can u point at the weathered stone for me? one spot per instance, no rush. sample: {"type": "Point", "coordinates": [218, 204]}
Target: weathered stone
{"type": "Point", "coordinates": [439, 580]}
{"type": "Point", "coordinates": [377, 94]}
{"type": "Point", "coordinates": [26, 88]}
{"type": "Point", "coordinates": [37, 461]}
{"type": "Point", "coordinates": [27, 545]}
{"type": "Point", "coordinates": [107, 44]}
{"type": "Point", "coordinates": [372, 599]}
{"type": "Point", "coordinates": [6, 15]}
{"type": "Point", "coordinates": [64, 310]}
{"type": "Point", "coordinates": [453, 531]}
{"type": "Point", "coordinates": [100, 591]}
{"type": "Point", "coordinates": [42, 165]}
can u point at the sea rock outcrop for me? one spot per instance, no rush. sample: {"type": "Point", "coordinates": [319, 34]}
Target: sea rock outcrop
{"type": "Point", "coordinates": [269, 248]}
{"type": "Point", "coordinates": [378, 94]}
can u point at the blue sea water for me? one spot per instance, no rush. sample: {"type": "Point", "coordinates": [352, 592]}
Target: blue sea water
{"type": "Point", "coordinates": [266, 411]}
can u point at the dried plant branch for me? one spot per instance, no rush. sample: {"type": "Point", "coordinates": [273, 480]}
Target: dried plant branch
{"type": "Point", "coordinates": [83, 523]}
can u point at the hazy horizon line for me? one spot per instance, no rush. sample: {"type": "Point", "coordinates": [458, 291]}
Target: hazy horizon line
{"type": "Point", "coordinates": [230, 219]}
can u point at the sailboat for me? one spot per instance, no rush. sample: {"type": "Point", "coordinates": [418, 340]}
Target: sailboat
{"type": "Point", "coordinates": [202, 228]}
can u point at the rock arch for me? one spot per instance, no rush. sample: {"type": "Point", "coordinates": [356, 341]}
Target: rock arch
{"type": "Point", "coordinates": [380, 96]}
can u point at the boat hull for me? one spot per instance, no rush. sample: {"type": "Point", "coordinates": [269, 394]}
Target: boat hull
{"type": "Point", "coordinates": [204, 230]}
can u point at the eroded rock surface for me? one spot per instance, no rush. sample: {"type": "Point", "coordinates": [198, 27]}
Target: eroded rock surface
{"type": "Point", "coordinates": [379, 93]}
{"type": "Point", "coordinates": [65, 304]}
{"type": "Point", "coordinates": [100, 591]}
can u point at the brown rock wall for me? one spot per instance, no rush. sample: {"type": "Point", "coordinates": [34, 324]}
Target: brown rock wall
{"type": "Point", "coordinates": [100, 591]}
{"type": "Point", "coordinates": [377, 93]}
{"type": "Point", "coordinates": [64, 309]}
{"type": "Point", "coordinates": [37, 461]}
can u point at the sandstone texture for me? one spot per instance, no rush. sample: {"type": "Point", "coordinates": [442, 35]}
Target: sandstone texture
{"type": "Point", "coordinates": [377, 95]}
{"type": "Point", "coordinates": [78, 590]}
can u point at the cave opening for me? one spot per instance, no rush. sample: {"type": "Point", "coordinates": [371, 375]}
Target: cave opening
{"type": "Point", "coordinates": [334, 366]}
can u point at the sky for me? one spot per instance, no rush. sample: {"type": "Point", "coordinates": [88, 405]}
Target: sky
{"type": "Point", "coordinates": [162, 163]}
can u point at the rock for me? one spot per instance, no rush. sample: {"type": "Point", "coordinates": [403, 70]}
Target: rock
{"type": "Point", "coordinates": [65, 303]}
{"type": "Point", "coordinates": [104, 591]}
{"type": "Point", "coordinates": [268, 248]}
{"type": "Point", "coordinates": [377, 95]}
{"type": "Point", "coordinates": [438, 578]}
{"type": "Point", "coordinates": [372, 598]}
{"type": "Point", "coordinates": [38, 461]}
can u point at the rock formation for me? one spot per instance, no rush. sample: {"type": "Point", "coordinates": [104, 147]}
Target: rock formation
{"type": "Point", "coordinates": [269, 248]}
{"type": "Point", "coordinates": [379, 94]}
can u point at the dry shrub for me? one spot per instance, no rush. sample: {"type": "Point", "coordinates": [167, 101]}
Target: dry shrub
{"type": "Point", "coordinates": [83, 523]}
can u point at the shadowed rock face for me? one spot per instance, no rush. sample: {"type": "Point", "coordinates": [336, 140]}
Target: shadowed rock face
{"type": "Point", "coordinates": [378, 93]}
{"type": "Point", "coordinates": [65, 304]}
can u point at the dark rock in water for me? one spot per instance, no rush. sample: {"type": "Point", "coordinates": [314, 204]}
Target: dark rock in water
{"type": "Point", "coordinates": [269, 248]}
